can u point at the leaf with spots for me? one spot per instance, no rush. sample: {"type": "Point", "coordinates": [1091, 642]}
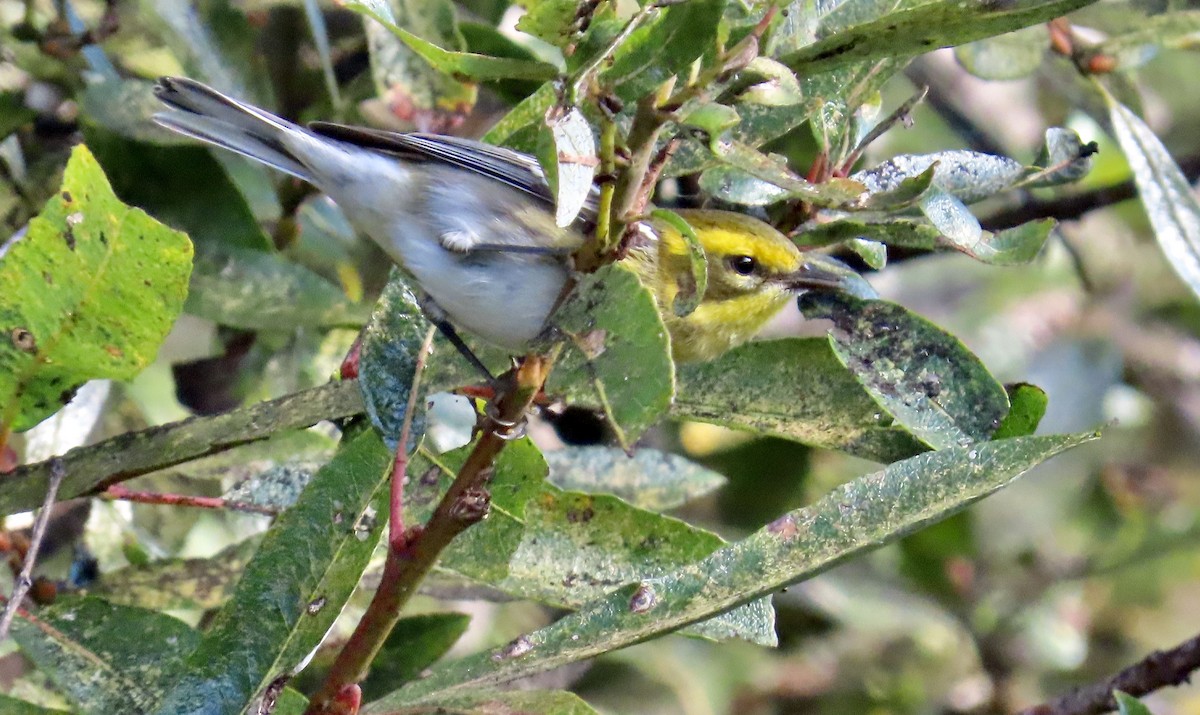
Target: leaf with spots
{"type": "Point", "coordinates": [795, 389]}
{"type": "Point", "coordinates": [89, 292]}
{"type": "Point", "coordinates": [565, 548]}
{"type": "Point", "coordinates": [852, 519]}
{"type": "Point", "coordinates": [292, 590]}
{"type": "Point", "coordinates": [104, 658]}
{"type": "Point", "coordinates": [618, 354]}
{"type": "Point", "coordinates": [924, 377]}
{"type": "Point", "coordinates": [650, 479]}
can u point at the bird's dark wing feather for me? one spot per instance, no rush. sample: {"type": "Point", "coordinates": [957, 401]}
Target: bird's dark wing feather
{"type": "Point", "coordinates": [520, 171]}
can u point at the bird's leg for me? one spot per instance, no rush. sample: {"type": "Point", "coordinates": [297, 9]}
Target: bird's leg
{"type": "Point", "coordinates": [439, 319]}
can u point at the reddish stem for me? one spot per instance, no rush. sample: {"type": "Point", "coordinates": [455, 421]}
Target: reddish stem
{"type": "Point", "coordinates": [120, 491]}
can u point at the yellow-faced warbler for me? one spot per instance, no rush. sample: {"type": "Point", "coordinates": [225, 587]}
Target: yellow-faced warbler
{"type": "Point", "coordinates": [473, 224]}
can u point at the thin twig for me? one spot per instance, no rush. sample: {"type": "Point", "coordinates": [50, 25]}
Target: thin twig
{"type": "Point", "coordinates": [397, 536]}
{"type": "Point", "coordinates": [25, 579]}
{"type": "Point", "coordinates": [1160, 669]}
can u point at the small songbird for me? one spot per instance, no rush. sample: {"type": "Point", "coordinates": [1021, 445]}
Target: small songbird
{"type": "Point", "coordinates": [473, 224]}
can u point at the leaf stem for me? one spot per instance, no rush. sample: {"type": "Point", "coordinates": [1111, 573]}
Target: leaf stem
{"type": "Point", "coordinates": [466, 502]}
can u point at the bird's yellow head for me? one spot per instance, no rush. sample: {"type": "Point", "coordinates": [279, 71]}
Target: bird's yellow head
{"type": "Point", "coordinates": [753, 271]}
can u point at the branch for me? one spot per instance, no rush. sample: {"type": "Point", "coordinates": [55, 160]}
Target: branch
{"type": "Point", "coordinates": [1074, 206]}
{"type": "Point", "coordinates": [92, 469]}
{"type": "Point", "coordinates": [25, 578]}
{"type": "Point", "coordinates": [1157, 670]}
{"type": "Point", "coordinates": [411, 556]}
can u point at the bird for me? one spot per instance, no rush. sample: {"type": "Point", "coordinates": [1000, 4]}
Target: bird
{"type": "Point", "coordinates": [473, 224]}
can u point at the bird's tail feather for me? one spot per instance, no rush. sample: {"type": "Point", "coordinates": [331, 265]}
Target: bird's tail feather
{"type": "Point", "coordinates": [205, 114]}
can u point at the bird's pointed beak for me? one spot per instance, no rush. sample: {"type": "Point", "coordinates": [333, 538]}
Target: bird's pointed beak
{"type": "Point", "coordinates": [823, 273]}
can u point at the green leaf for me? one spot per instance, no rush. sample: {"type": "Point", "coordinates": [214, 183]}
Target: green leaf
{"type": "Point", "coordinates": [1175, 30]}
{"type": "Point", "coordinates": [388, 361]}
{"type": "Point", "coordinates": [89, 292]}
{"type": "Point", "coordinates": [1009, 247]}
{"type": "Point", "coordinates": [461, 65]}
{"type": "Point", "coordinates": [1013, 55]}
{"type": "Point", "coordinates": [919, 29]}
{"type": "Point", "coordinates": [415, 643]}
{"type": "Point", "coordinates": [862, 515]}
{"type": "Point", "coordinates": [923, 376]}
{"type": "Point", "coordinates": [91, 468]}
{"type": "Point", "coordinates": [183, 186]}
{"type": "Point", "coordinates": [692, 289]}
{"type": "Point", "coordinates": [967, 175]}
{"type": "Point", "coordinates": [178, 584]}
{"type": "Point", "coordinates": [621, 356]}
{"type": "Point", "coordinates": [650, 479]}
{"type": "Point", "coordinates": [13, 706]}
{"type": "Point", "coordinates": [565, 548]}
{"type": "Point", "coordinates": [404, 63]}
{"type": "Point", "coordinates": [487, 40]}
{"type": "Point", "coordinates": [664, 47]}
{"type": "Point", "coordinates": [1129, 705]}
{"type": "Point", "coordinates": [297, 583]}
{"type": "Point", "coordinates": [262, 290]}
{"type": "Point", "coordinates": [1170, 203]}
{"type": "Point", "coordinates": [531, 112]}
{"type": "Point", "coordinates": [104, 658]}
{"type": "Point", "coordinates": [1063, 158]}
{"type": "Point", "coordinates": [498, 702]}
{"type": "Point", "coordinates": [793, 388]}
{"type": "Point", "coordinates": [774, 170]}
{"type": "Point", "coordinates": [1028, 407]}
{"type": "Point", "coordinates": [774, 85]}
{"type": "Point", "coordinates": [712, 117]}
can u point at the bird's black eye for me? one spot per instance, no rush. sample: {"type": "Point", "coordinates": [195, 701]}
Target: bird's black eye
{"type": "Point", "coordinates": [742, 265]}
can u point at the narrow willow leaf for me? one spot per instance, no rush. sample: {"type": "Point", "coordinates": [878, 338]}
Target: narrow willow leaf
{"type": "Point", "coordinates": [712, 118]}
{"type": "Point", "coordinates": [463, 65]}
{"type": "Point", "coordinates": [665, 46]}
{"type": "Point", "coordinates": [292, 590]}
{"type": "Point", "coordinates": [775, 171]}
{"type": "Point", "coordinates": [915, 30]}
{"type": "Point", "coordinates": [796, 389]}
{"type": "Point", "coordinates": [1176, 29]}
{"type": "Point", "coordinates": [419, 91]}
{"type": "Point", "coordinates": [13, 706]}
{"type": "Point", "coordinates": [89, 292]}
{"type": "Point", "coordinates": [862, 515]}
{"type": "Point", "coordinates": [967, 175]}
{"type": "Point", "coordinates": [923, 376]}
{"type": "Point", "coordinates": [739, 187]}
{"type": "Point", "coordinates": [104, 658]}
{"type": "Point", "coordinates": [1172, 207]}
{"type": "Point", "coordinates": [178, 584]}
{"type": "Point", "coordinates": [564, 548]}
{"type": "Point", "coordinates": [501, 702]}
{"type": "Point", "coordinates": [873, 253]}
{"type": "Point", "coordinates": [650, 479]}
{"type": "Point", "coordinates": [90, 468]}
{"type": "Point", "coordinates": [1009, 247]}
